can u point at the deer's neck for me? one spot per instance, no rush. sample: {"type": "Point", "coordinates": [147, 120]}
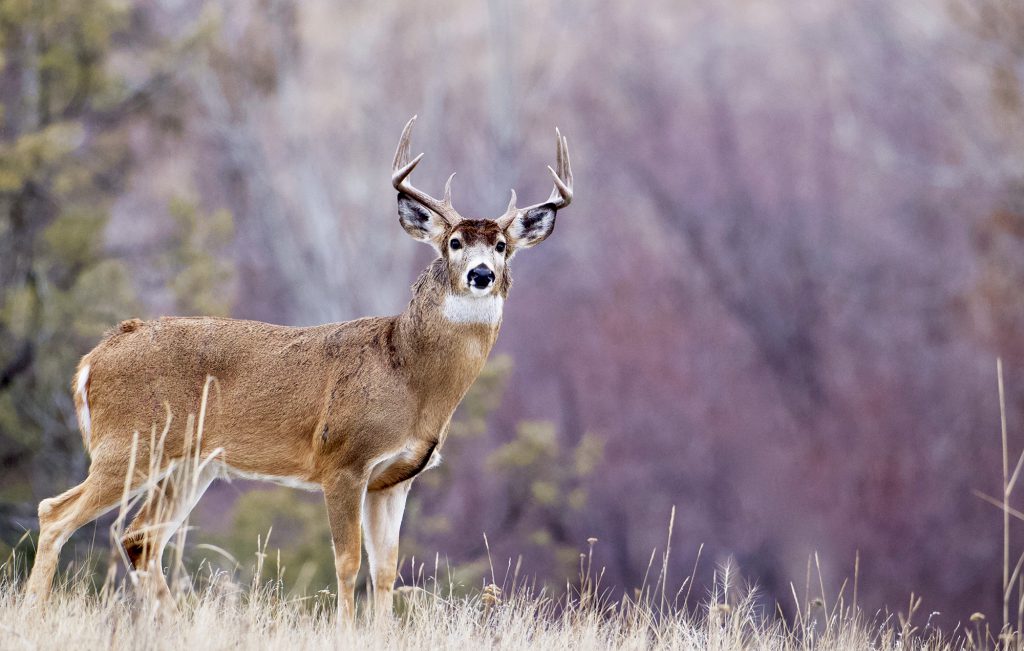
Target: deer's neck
{"type": "Point", "coordinates": [445, 338]}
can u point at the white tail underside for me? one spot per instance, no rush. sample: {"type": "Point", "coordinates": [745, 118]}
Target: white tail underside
{"type": "Point", "coordinates": [84, 419]}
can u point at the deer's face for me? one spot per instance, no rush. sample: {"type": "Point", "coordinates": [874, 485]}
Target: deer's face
{"type": "Point", "coordinates": [477, 251]}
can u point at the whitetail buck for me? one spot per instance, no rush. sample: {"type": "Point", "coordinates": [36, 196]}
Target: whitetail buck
{"type": "Point", "coordinates": [356, 409]}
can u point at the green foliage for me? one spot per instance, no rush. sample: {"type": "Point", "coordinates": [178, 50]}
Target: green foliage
{"type": "Point", "coordinates": [541, 473]}
{"type": "Point", "coordinates": [539, 470]}
{"type": "Point", "coordinates": [299, 544]}
{"type": "Point", "coordinates": [62, 46]}
{"type": "Point", "coordinates": [59, 290]}
{"type": "Point", "coordinates": [546, 486]}
{"type": "Point", "coordinates": [482, 399]}
{"type": "Point", "coordinates": [38, 156]}
{"type": "Point", "coordinates": [63, 160]}
{"type": "Point", "coordinates": [199, 276]}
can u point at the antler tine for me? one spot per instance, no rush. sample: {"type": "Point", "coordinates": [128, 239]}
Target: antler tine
{"type": "Point", "coordinates": [568, 164]}
{"type": "Point", "coordinates": [561, 194]}
{"type": "Point", "coordinates": [510, 212]}
{"type": "Point", "coordinates": [559, 153]}
{"type": "Point", "coordinates": [402, 153]}
{"type": "Point", "coordinates": [448, 190]}
{"type": "Point", "coordinates": [398, 178]}
{"type": "Point", "coordinates": [402, 167]}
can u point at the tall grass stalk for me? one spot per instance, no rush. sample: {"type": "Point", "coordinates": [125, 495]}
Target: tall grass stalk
{"type": "Point", "coordinates": [216, 610]}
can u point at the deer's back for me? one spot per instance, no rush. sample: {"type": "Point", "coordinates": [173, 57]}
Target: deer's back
{"type": "Point", "coordinates": [276, 389]}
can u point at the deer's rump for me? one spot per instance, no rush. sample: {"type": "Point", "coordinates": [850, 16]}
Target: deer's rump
{"type": "Point", "coordinates": [271, 401]}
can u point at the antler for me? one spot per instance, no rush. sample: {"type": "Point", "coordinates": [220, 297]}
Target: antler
{"type": "Point", "coordinates": [561, 195]}
{"type": "Point", "coordinates": [403, 167]}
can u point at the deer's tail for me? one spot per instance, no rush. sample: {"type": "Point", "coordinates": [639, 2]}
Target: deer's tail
{"type": "Point", "coordinates": [80, 389]}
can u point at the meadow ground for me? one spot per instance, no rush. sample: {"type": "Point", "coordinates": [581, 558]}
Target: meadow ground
{"type": "Point", "coordinates": [216, 612]}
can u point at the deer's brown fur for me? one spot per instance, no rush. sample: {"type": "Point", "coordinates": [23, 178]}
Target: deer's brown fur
{"type": "Point", "coordinates": [357, 409]}
{"type": "Point", "coordinates": [336, 395]}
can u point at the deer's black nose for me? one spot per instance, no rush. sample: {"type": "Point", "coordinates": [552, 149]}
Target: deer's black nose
{"type": "Point", "coordinates": [480, 277]}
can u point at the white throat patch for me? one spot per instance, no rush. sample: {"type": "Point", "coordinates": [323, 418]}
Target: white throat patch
{"type": "Point", "coordinates": [473, 309]}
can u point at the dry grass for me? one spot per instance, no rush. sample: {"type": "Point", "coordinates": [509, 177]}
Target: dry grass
{"type": "Point", "coordinates": [216, 612]}
{"type": "Point", "coordinates": [224, 615]}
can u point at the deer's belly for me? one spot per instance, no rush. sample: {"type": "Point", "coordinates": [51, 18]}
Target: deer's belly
{"type": "Point", "coordinates": [281, 480]}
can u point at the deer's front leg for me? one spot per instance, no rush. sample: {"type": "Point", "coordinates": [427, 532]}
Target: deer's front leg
{"type": "Point", "coordinates": [344, 496]}
{"type": "Point", "coordinates": [382, 518]}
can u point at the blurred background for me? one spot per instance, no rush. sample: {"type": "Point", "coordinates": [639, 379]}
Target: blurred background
{"type": "Point", "coordinates": [795, 252]}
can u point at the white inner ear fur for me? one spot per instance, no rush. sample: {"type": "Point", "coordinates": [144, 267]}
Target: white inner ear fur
{"type": "Point", "coordinates": [473, 309]}
{"type": "Point", "coordinates": [538, 231]}
{"type": "Point", "coordinates": [420, 222]}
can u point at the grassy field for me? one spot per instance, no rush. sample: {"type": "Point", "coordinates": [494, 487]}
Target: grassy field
{"type": "Point", "coordinates": [224, 615]}
{"type": "Point", "coordinates": [216, 612]}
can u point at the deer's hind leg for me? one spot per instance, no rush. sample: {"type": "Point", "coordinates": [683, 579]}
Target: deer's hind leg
{"type": "Point", "coordinates": [61, 516]}
{"type": "Point", "coordinates": [163, 512]}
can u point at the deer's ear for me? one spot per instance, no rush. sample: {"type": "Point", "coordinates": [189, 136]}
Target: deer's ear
{"type": "Point", "coordinates": [419, 221]}
{"type": "Point", "coordinates": [532, 226]}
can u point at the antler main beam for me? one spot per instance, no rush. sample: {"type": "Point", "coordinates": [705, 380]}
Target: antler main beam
{"type": "Point", "coordinates": [403, 167]}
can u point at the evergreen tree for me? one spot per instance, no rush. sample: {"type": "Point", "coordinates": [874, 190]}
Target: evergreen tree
{"type": "Point", "coordinates": [58, 289]}
{"type": "Point", "coordinates": [64, 158]}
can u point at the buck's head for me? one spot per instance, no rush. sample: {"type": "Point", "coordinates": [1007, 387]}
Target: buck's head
{"type": "Point", "coordinates": [477, 251]}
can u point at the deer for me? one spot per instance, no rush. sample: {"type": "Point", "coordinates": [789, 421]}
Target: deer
{"type": "Point", "coordinates": [356, 410]}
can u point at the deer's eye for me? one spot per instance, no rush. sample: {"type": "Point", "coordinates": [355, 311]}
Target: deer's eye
{"type": "Point", "coordinates": [455, 244]}
{"type": "Point", "coordinates": [500, 247]}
